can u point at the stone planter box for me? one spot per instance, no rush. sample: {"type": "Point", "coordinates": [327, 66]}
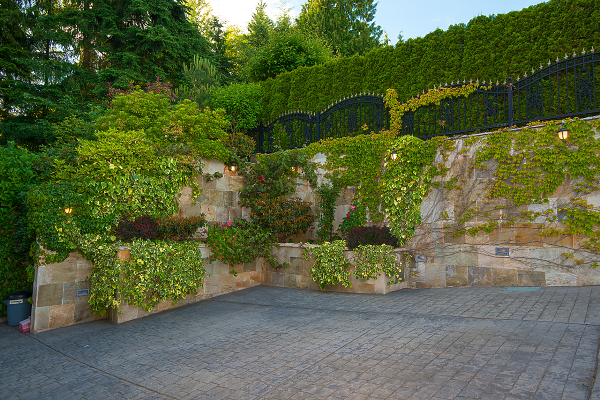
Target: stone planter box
{"type": "Point", "coordinates": [219, 280]}
{"type": "Point", "coordinates": [298, 275]}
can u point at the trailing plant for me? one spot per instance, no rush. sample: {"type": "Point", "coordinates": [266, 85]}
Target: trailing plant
{"type": "Point", "coordinates": [330, 266]}
{"type": "Point", "coordinates": [371, 260]}
{"type": "Point", "coordinates": [327, 194]}
{"type": "Point", "coordinates": [156, 271]}
{"type": "Point", "coordinates": [357, 216]}
{"type": "Point", "coordinates": [525, 188]}
{"type": "Point", "coordinates": [209, 177]}
{"type": "Point", "coordinates": [370, 236]}
{"type": "Point", "coordinates": [241, 242]}
{"type": "Point", "coordinates": [531, 166]}
{"type": "Point", "coordinates": [159, 271]}
{"type": "Point", "coordinates": [282, 216]}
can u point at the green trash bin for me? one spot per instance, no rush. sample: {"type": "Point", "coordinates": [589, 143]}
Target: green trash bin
{"type": "Point", "coordinates": [17, 307]}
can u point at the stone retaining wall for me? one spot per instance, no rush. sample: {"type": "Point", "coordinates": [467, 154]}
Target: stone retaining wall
{"type": "Point", "coordinates": [55, 303]}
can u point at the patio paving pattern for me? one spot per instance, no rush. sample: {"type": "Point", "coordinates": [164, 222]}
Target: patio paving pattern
{"type": "Point", "coordinates": [280, 343]}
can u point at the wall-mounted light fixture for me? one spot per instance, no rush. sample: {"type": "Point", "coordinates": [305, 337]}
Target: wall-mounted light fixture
{"type": "Point", "coordinates": [232, 168]}
{"type": "Point", "coordinates": [394, 155]}
{"type": "Point", "coordinates": [68, 210]}
{"type": "Point", "coordinates": [563, 133]}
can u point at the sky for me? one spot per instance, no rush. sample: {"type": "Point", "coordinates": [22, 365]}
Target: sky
{"type": "Point", "coordinates": [415, 18]}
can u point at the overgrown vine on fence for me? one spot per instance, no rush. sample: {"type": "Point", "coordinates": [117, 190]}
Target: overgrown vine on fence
{"type": "Point", "coordinates": [433, 96]}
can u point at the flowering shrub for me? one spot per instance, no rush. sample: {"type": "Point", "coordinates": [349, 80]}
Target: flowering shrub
{"type": "Point", "coordinates": [373, 235]}
{"type": "Point", "coordinates": [357, 216]}
{"type": "Point", "coordinates": [143, 227]}
{"type": "Point", "coordinates": [240, 242]}
{"type": "Point", "coordinates": [157, 87]}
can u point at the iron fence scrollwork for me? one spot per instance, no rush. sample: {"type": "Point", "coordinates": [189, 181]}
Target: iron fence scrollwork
{"type": "Point", "coordinates": [565, 88]}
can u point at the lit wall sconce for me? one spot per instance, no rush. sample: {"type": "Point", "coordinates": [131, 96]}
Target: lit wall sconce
{"type": "Point", "coordinates": [394, 155]}
{"type": "Point", "coordinates": [68, 210]}
{"type": "Point", "coordinates": [232, 168]}
{"type": "Point", "coordinates": [563, 133]}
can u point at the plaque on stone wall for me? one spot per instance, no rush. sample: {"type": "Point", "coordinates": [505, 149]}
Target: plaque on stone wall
{"type": "Point", "coordinates": [421, 258]}
{"type": "Point", "coordinates": [83, 292]}
{"type": "Point", "coordinates": [502, 251]}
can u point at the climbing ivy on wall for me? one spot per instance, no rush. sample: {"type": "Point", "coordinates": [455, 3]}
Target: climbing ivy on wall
{"type": "Point", "coordinates": [487, 47]}
{"type": "Point", "coordinates": [357, 161]}
{"type": "Point", "coordinates": [408, 180]}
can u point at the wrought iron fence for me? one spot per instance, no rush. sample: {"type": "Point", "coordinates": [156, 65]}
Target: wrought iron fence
{"type": "Point", "coordinates": [565, 88]}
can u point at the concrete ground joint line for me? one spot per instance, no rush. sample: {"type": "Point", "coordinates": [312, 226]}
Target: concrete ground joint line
{"type": "Point", "coordinates": [324, 357]}
{"type": "Point", "coordinates": [98, 369]}
{"type": "Point", "coordinates": [405, 313]}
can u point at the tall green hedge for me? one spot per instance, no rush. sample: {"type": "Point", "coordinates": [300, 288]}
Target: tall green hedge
{"type": "Point", "coordinates": [488, 47]}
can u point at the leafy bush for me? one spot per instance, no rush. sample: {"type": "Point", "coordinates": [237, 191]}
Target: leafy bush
{"type": "Point", "coordinates": [273, 175]}
{"type": "Point", "coordinates": [182, 126]}
{"type": "Point", "coordinates": [287, 51]}
{"type": "Point", "coordinates": [240, 242]}
{"type": "Point", "coordinates": [243, 105]}
{"type": "Point", "coordinates": [370, 235]}
{"type": "Point", "coordinates": [283, 216]}
{"type": "Point", "coordinates": [17, 174]}
{"type": "Point", "coordinates": [242, 146]}
{"type": "Point", "coordinates": [179, 228]}
{"type": "Point", "coordinates": [142, 227]}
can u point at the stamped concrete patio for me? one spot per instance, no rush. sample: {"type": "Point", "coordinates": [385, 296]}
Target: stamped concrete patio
{"type": "Point", "coordinates": [267, 343]}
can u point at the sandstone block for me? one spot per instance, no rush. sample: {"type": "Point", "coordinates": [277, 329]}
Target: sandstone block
{"type": "Point", "coordinates": [61, 315]}
{"type": "Point", "coordinates": [480, 276]}
{"type": "Point", "coordinates": [49, 295]}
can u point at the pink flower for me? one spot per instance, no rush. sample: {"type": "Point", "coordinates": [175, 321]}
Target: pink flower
{"type": "Point", "coordinates": [224, 226]}
{"type": "Point", "coordinates": [229, 223]}
{"type": "Point", "coordinates": [348, 215]}
{"type": "Point", "coordinates": [352, 207]}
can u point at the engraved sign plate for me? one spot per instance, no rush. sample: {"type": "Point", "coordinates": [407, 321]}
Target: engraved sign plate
{"type": "Point", "coordinates": [502, 251]}
{"type": "Point", "coordinates": [83, 292]}
{"type": "Point", "coordinates": [421, 258]}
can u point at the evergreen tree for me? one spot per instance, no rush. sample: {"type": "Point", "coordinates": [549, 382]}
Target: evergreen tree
{"type": "Point", "coordinates": [347, 25]}
{"type": "Point", "coordinates": [260, 27]}
{"type": "Point", "coordinates": [71, 49]}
